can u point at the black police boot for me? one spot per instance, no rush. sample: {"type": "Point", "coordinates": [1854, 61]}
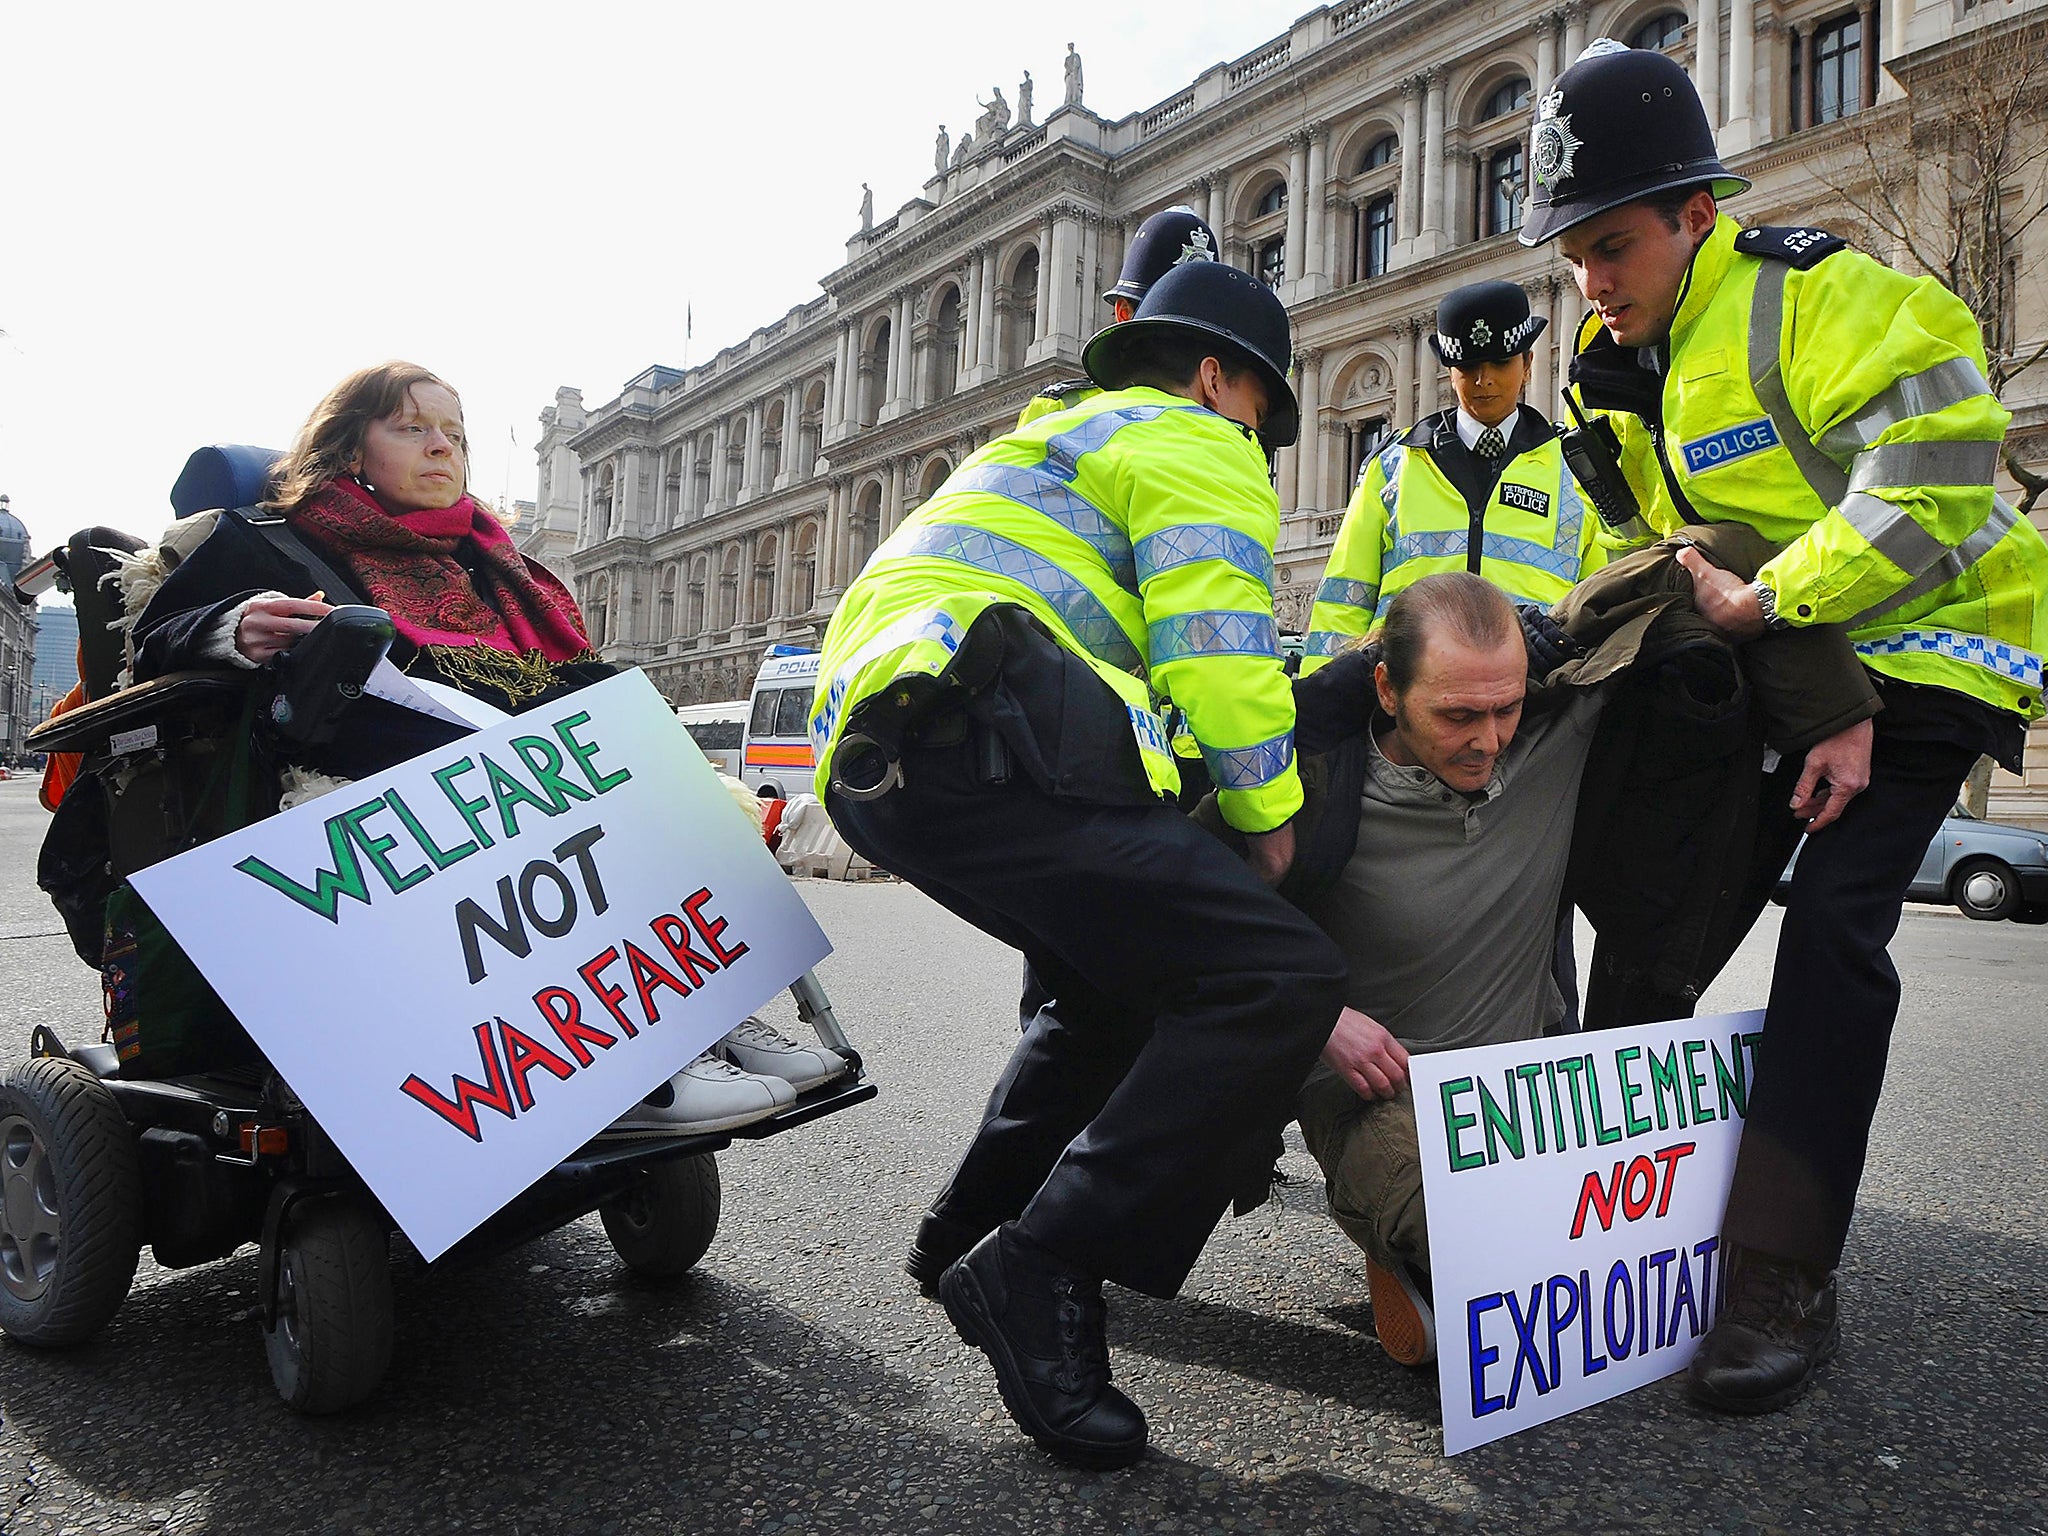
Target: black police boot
{"type": "Point", "coordinates": [1777, 1327]}
{"type": "Point", "coordinates": [1041, 1326]}
{"type": "Point", "coordinates": [939, 1243]}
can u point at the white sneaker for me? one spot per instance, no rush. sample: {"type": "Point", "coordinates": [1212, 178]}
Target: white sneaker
{"type": "Point", "coordinates": [710, 1094]}
{"type": "Point", "coordinates": [763, 1049]}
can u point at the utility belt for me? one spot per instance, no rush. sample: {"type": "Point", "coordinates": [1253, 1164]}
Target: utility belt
{"type": "Point", "coordinates": [1023, 705]}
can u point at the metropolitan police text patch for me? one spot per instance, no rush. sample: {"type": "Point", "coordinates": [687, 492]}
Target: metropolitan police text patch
{"type": "Point", "coordinates": [1527, 498]}
{"type": "Point", "coordinates": [1729, 445]}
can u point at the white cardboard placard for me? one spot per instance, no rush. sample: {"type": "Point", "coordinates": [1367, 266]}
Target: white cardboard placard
{"type": "Point", "coordinates": [469, 965]}
{"type": "Point", "coordinates": [1575, 1187]}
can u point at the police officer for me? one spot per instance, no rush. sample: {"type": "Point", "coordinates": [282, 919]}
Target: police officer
{"type": "Point", "coordinates": [988, 727]}
{"type": "Point", "coordinates": [1481, 487]}
{"type": "Point", "coordinates": [1774, 378]}
{"type": "Point", "coordinates": [1164, 241]}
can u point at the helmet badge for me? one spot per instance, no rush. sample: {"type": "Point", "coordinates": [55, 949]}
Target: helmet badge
{"type": "Point", "coordinates": [1481, 333]}
{"type": "Point", "coordinates": [1555, 143]}
{"type": "Point", "coordinates": [1197, 248]}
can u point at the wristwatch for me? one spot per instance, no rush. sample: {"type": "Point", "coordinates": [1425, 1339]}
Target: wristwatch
{"type": "Point", "coordinates": [1767, 604]}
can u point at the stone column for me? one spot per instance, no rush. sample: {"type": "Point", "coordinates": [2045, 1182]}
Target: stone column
{"type": "Point", "coordinates": [906, 386]}
{"type": "Point", "coordinates": [1867, 54]}
{"type": "Point", "coordinates": [688, 488]}
{"type": "Point", "coordinates": [1541, 375]}
{"type": "Point", "coordinates": [1309, 490]}
{"type": "Point", "coordinates": [970, 312]}
{"type": "Point", "coordinates": [790, 466]}
{"type": "Point", "coordinates": [785, 536]}
{"type": "Point", "coordinates": [1426, 370]}
{"type": "Point", "coordinates": [839, 401]}
{"type": "Point", "coordinates": [1706, 67]}
{"type": "Point", "coordinates": [1404, 375]}
{"type": "Point", "coordinates": [986, 351]}
{"type": "Point", "coordinates": [1574, 35]}
{"type": "Point", "coordinates": [1297, 203]}
{"type": "Point", "coordinates": [1314, 264]}
{"type": "Point", "coordinates": [751, 476]}
{"type": "Point", "coordinates": [1045, 233]}
{"type": "Point", "coordinates": [1802, 109]}
{"type": "Point", "coordinates": [1546, 55]}
{"type": "Point", "coordinates": [1287, 464]}
{"type": "Point", "coordinates": [1062, 322]}
{"type": "Point", "coordinates": [833, 557]}
{"type": "Point", "coordinates": [1740, 132]}
{"type": "Point", "coordinates": [1433, 232]}
{"type": "Point", "coordinates": [1566, 307]}
{"type": "Point", "coordinates": [1408, 217]}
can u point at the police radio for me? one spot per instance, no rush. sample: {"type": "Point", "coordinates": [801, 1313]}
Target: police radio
{"type": "Point", "coordinates": [1592, 452]}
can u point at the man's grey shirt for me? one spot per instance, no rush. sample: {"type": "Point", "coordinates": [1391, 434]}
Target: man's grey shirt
{"type": "Point", "coordinates": [1447, 912]}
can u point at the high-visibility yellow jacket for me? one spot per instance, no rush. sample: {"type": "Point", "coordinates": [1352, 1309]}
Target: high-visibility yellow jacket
{"type": "Point", "coordinates": [1534, 537]}
{"type": "Point", "coordinates": [1138, 528]}
{"type": "Point", "coordinates": [1840, 409]}
{"type": "Point", "coordinates": [1063, 396]}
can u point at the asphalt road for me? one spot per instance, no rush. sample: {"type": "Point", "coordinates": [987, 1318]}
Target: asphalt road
{"type": "Point", "coordinates": [796, 1382]}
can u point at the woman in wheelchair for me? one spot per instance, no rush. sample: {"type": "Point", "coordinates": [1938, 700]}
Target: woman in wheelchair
{"type": "Point", "coordinates": [374, 496]}
{"type": "Point", "coordinates": [373, 504]}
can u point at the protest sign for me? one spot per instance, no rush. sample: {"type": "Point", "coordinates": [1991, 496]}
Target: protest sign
{"type": "Point", "coordinates": [469, 965]}
{"type": "Point", "coordinates": [1575, 1187]}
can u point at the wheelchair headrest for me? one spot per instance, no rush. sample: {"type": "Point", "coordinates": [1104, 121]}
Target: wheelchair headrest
{"type": "Point", "coordinates": [225, 475]}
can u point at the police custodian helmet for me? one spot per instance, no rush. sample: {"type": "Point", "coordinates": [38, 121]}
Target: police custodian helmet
{"type": "Point", "coordinates": [1162, 243]}
{"type": "Point", "coordinates": [1484, 323]}
{"type": "Point", "coordinates": [1212, 300]}
{"type": "Point", "coordinates": [1620, 124]}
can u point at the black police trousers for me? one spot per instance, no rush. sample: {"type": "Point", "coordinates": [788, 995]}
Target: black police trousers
{"type": "Point", "coordinates": [1834, 998]}
{"type": "Point", "coordinates": [1187, 1003]}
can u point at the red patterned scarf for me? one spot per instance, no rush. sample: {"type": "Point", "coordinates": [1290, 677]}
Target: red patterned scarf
{"type": "Point", "coordinates": [406, 565]}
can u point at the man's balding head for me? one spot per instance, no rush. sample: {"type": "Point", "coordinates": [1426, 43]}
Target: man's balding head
{"type": "Point", "coordinates": [1452, 673]}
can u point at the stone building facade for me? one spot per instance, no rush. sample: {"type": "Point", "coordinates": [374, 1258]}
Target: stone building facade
{"type": "Point", "coordinates": [1363, 163]}
{"type": "Point", "coordinates": [18, 700]}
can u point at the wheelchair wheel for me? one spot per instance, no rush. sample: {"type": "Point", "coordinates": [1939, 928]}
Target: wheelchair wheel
{"type": "Point", "coordinates": [662, 1225]}
{"type": "Point", "coordinates": [71, 1218]}
{"type": "Point", "coordinates": [332, 1339]}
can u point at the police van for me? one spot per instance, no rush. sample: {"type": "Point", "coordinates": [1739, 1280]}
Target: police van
{"type": "Point", "coordinates": [719, 731]}
{"type": "Point", "coordinates": [775, 760]}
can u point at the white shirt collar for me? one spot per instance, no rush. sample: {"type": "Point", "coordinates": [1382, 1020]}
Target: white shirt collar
{"type": "Point", "coordinates": [1469, 428]}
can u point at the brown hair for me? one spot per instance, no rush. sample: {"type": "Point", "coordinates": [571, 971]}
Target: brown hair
{"type": "Point", "coordinates": [333, 435]}
{"type": "Point", "coordinates": [1471, 607]}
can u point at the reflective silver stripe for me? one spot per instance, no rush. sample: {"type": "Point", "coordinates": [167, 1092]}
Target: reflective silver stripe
{"type": "Point", "coordinates": [1951, 565]}
{"type": "Point", "coordinates": [1891, 531]}
{"type": "Point", "coordinates": [1249, 767]}
{"type": "Point", "coordinates": [1926, 463]}
{"type": "Point", "coordinates": [1919, 394]}
{"type": "Point", "coordinates": [1766, 327]}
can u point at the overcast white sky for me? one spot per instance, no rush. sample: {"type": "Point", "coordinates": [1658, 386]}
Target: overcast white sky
{"type": "Point", "coordinates": [210, 212]}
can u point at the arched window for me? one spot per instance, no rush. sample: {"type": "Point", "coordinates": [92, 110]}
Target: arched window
{"type": "Point", "coordinates": [933, 477]}
{"type": "Point", "coordinates": [1273, 200]}
{"type": "Point", "coordinates": [726, 611]}
{"type": "Point", "coordinates": [672, 488]}
{"type": "Point", "coordinates": [1271, 265]}
{"type": "Point", "coordinates": [803, 570]}
{"type": "Point", "coordinates": [761, 597]}
{"type": "Point", "coordinates": [1376, 237]}
{"type": "Point", "coordinates": [1022, 302]}
{"type": "Point", "coordinates": [1504, 189]}
{"type": "Point", "coordinates": [1379, 153]}
{"type": "Point", "coordinates": [1660, 31]}
{"type": "Point", "coordinates": [1508, 96]}
{"type": "Point", "coordinates": [874, 380]}
{"type": "Point", "coordinates": [775, 443]}
{"type": "Point", "coordinates": [810, 430]}
{"type": "Point", "coordinates": [946, 345]}
{"type": "Point", "coordinates": [700, 475]}
{"type": "Point", "coordinates": [601, 504]}
{"type": "Point", "coordinates": [693, 597]}
{"type": "Point", "coordinates": [597, 612]}
{"type": "Point", "coordinates": [665, 607]}
{"type": "Point", "coordinates": [867, 525]}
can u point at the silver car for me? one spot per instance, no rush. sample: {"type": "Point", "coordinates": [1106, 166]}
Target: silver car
{"type": "Point", "coordinates": [1987, 869]}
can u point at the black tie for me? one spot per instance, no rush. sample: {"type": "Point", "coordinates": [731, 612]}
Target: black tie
{"type": "Point", "coordinates": [1491, 444]}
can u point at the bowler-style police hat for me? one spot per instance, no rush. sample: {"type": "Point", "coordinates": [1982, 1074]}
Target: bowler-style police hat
{"type": "Point", "coordinates": [1162, 243]}
{"type": "Point", "coordinates": [1620, 124]}
{"type": "Point", "coordinates": [1484, 323]}
{"type": "Point", "coordinates": [1213, 301]}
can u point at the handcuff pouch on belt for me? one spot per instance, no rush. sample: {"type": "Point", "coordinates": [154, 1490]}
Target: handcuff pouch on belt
{"type": "Point", "coordinates": [921, 712]}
